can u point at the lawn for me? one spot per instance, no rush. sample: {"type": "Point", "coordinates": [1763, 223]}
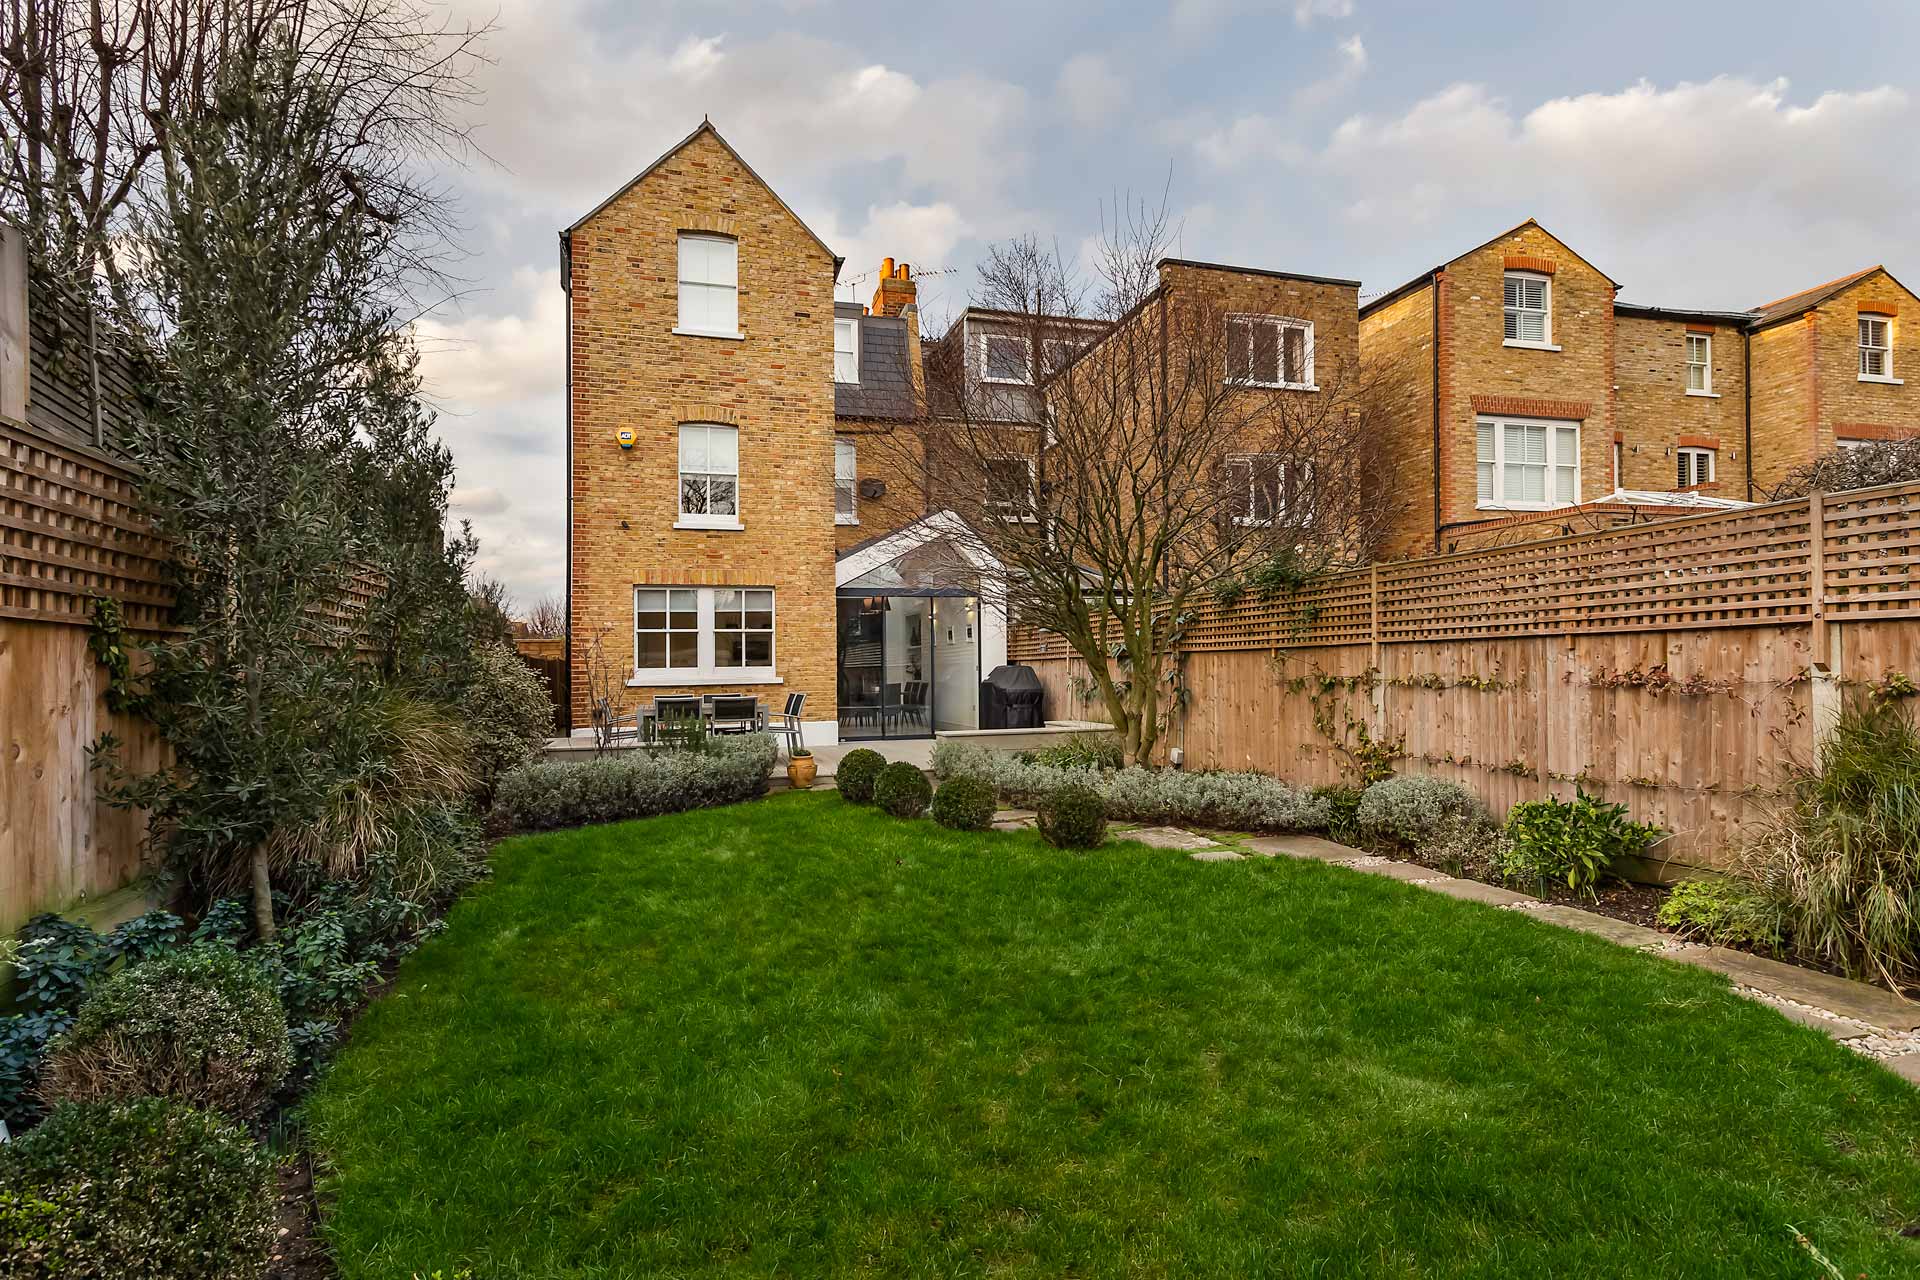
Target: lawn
{"type": "Point", "coordinates": [795, 1037]}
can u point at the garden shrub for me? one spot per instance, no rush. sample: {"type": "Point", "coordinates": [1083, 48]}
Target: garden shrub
{"type": "Point", "coordinates": [508, 712]}
{"type": "Point", "coordinates": [1229, 801]}
{"type": "Point", "coordinates": [202, 1025]}
{"type": "Point", "coordinates": [634, 784]}
{"type": "Point", "coordinates": [964, 804]}
{"type": "Point", "coordinates": [1463, 845]}
{"type": "Point", "coordinates": [1080, 751]}
{"type": "Point", "coordinates": [1073, 817]}
{"type": "Point", "coordinates": [1840, 850]}
{"type": "Point", "coordinates": [858, 774]}
{"type": "Point", "coordinates": [228, 922]}
{"type": "Point", "coordinates": [146, 936]}
{"type": "Point", "coordinates": [58, 961]}
{"type": "Point", "coordinates": [902, 790]}
{"type": "Point", "coordinates": [1342, 804]}
{"type": "Point", "coordinates": [1575, 842]}
{"type": "Point", "coordinates": [1411, 810]}
{"type": "Point", "coordinates": [1723, 910]}
{"type": "Point", "coordinates": [151, 1188]}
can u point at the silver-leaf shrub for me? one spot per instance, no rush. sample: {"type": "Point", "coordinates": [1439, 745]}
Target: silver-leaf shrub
{"type": "Point", "coordinates": [633, 784]}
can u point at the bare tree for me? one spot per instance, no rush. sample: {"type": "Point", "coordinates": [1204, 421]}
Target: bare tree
{"type": "Point", "coordinates": [92, 92]}
{"type": "Point", "coordinates": [1150, 467]}
{"type": "Point", "coordinates": [1859, 466]}
{"type": "Point", "coordinates": [547, 617]}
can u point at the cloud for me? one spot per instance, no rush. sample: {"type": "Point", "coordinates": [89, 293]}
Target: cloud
{"type": "Point", "coordinates": [1640, 156]}
{"type": "Point", "coordinates": [1305, 12]}
{"type": "Point", "coordinates": [484, 500]}
{"type": "Point", "coordinates": [1351, 66]}
{"type": "Point", "coordinates": [1090, 90]}
{"type": "Point", "coordinates": [496, 359]}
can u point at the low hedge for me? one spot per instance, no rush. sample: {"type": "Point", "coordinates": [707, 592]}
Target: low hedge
{"type": "Point", "coordinates": [135, 1191]}
{"type": "Point", "coordinates": [1414, 810]}
{"type": "Point", "coordinates": [203, 1025]}
{"type": "Point", "coordinates": [1233, 801]}
{"type": "Point", "coordinates": [902, 790]}
{"type": "Point", "coordinates": [632, 784]}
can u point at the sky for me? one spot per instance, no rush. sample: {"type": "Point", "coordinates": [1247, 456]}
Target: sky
{"type": "Point", "coordinates": [1715, 154]}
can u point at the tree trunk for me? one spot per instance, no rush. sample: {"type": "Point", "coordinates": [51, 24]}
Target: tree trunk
{"type": "Point", "coordinates": [262, 895]}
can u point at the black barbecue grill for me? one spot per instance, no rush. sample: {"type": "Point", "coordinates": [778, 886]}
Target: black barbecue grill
{"type": "Point", "coordinates": [1012, 697]}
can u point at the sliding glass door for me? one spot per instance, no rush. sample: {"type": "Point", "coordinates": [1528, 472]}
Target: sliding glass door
{"type": "Point", "coordinates": [886, 666]}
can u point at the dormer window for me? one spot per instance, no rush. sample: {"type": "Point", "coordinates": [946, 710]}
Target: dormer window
{"type": "Point", "coordinates": [1528, 306]}
{"type": "Point", "coordinates": [1006, 357]}
{"type": "Point", "coordinates": [846, 351]}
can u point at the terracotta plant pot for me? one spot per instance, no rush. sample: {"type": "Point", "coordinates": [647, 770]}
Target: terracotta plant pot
{"type": "Point", "coordinates": [801, 771]}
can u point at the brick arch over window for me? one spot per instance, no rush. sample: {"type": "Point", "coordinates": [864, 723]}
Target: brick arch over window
{"type": "Point", "coordinates": [707, 224]}
{"type": "Point", "coordinates": [685, 411]}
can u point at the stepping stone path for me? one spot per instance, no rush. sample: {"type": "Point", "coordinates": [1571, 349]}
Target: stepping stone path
{"type": "Point", "coordinates": [1868, 1020]}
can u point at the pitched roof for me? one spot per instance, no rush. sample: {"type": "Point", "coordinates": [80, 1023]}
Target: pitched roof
{"type": "Point", "coordinates": [1400, 291]}
{"type": "Point", "coordinates": [1255, 271]}
{"type": "Point", "coordinates": [1795, 303]}
{"type": "Point", "coordinates": [706, 127]}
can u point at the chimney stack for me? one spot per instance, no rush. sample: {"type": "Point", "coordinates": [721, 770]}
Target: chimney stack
{"type": "Point", "coordinates": [896, 290]}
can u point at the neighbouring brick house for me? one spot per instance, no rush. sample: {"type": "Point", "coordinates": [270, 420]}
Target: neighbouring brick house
{"type": "Point", "coordinates": [750, 505]}
{"type": "Point", "coordinates": [1541, 403]}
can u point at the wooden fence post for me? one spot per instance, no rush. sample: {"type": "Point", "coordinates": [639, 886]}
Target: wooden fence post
{"type": "Point", "coordinates": [1377, 682]}
{"type": "Point", "coordinates": [1823, 638]}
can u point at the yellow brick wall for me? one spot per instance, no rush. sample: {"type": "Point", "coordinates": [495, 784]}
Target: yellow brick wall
{"type": "Point", "coordinates": [1783, 400]}
{"type": "Point", "coordinates": [1396, 342]}
{"type": "Point", "coordinates": [892, 453]}
{"type": "Point", "coordinates": [1654, 411]}
{"type": "Point", "coordinates": [1581, 371]}
{"type": "Point", "coordinates": [776, 385]}
{"type": "Point", "coordinates": [1849, 406]}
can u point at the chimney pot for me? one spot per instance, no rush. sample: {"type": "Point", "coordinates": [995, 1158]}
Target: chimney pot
{"type": "Point", "coordinates": [896, 290]}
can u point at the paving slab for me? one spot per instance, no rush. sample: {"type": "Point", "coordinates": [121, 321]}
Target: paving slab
{"type": "Point", "coordinates": [1475, 891]}
{"type": "Point", "coordinates": [1014, 815]}
{"type": "Point", "coordinates": [1906, 1066]}
{"type": "Point", "coordinates": [1838, 1028]}
{"type": "Point", "coordinates": [1843, 996]}
{"type": "Point", "coordinates": [1620, 931]}
{"type": "Point", "coordinates": [1304, 847]}
{"type": "Point", "coordinates": [1391, 869]}
{"type": "Point", "coordinates": [1217, 854]}
{"type": "Point", "coordinates": [1168, 838]}
{"type": "Point", "coordinates": [1016, 824]}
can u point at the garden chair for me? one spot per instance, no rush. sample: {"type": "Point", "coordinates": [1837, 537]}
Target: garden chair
{"type": "Point", "coordinates": [735, 714]}
{"type": "Point", "coordinates": [787, 722]}
{"type": "Point", "coordinates": [609, 726]}
{"type": "Point", "coordinates": [675, 717]}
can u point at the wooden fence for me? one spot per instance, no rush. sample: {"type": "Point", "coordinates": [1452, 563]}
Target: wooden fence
{"type": "Point", "coordinates": [1674, 666]}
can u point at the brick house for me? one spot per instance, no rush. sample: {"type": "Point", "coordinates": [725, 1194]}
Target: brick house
{"type": "Point", "coordinates": [743, 516]}
{"type": "Point", "coordinates": [1541, 403]}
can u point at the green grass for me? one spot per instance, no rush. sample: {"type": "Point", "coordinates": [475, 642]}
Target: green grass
{"type": "Point", "coordinates": [798, 1038]}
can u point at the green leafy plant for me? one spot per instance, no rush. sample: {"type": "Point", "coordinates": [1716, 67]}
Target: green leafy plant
{"type": "Point", "coordinates": [156, 933]}
{"type": "Point", "coordinates": [202, 1025]}
{"type": "Point", "coordinates": [1575, 842]}
{"type": "Point", "coordinates": [1080, 751]}
{"type": "Point", "coordinates": [151, 1187]}
{"type": "Point", "coordinates": [1839, 849]}
{"type": "Point", "coordinates": [58, 960]}
{"type": "Point", "coordinates": [226, 922]}
{"type": "Point", "coordinates": [1073, 817]}
{"type": "Point", "coordinates": [964, 804]}
{"type": "Point", "coordinates": [902, 790]}
{"type": "Point", "coordinates": [1343, 804]}
{"type": "Point", "coordinates": [1723, 910]}
{"type": "Point", "coordinates": [508, 714]}
{"type": "Point", "coordinates": [859, 771]}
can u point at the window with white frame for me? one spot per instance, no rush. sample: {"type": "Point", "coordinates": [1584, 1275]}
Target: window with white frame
{"type": "Point", "coordinates": [1009, 487]}
{"type": "Point", "coordinates": [846, 466]}
{"type": "Point", "coordinates": [709, 285]}
{"type": "Point", "coordinates": [1527, 465]}
{"type": "Point", "coordinates": [846, 351]}
{"type": "Point", "coordinates": [1270, 351]}
{"type": "Point", "coordinates": [1528, 306]}
{"type": "Point", "coordinates": [1695, 466]}
{"type": "Point", "coordinates": [1844, 443]}
{"type": "Point", "coordinates": [1699, 362]}
{"type": "Point", "coordinates": [709, 475]}
{"type": "Point", "coordinates": [1266, 489]}
{"type": "Point", "coordinates": [1876, 347]}
{"type": "Point", "coordinates": [1005, 357]}
{"type": "Point", "coordinates": [684, 635]}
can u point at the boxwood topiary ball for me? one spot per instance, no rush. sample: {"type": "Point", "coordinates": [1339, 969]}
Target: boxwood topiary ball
{"type": "Point", "coordinates": [965, 804]}
{"type": "Point", "coordinates": [146, 1188]}
{"type": "Point", "coordinates": [1073, 817]}
{"type": "Point", "coordinates": [902, 790]}
{"type": "Point", "coordinates": [858, 772]}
